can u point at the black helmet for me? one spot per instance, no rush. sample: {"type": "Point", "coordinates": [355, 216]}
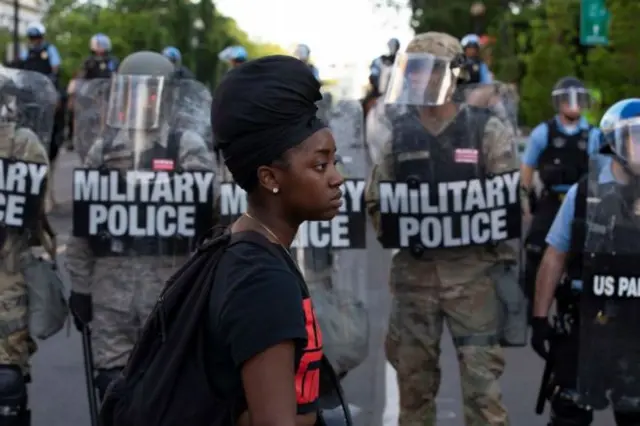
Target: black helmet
{"type": "Point", "coordinates": [570, 91]}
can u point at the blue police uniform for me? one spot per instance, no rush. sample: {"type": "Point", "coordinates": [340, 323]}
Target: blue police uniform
{"type": "Point", "coordinates": [42, 59]}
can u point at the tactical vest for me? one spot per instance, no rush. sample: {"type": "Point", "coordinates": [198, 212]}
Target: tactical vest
{"type": "Point", "coordinates": [97, 67]}
{"type": "Point", "coordinates": [38, 60]}
{"type": "Point", "coordinates": [566, 157]}
{"type": "Point", "coordinates": [473, 70]}
{"type": "Point", "coordinates": [103, 244]}
{"type": "Point", "coordinates": [434, 160]}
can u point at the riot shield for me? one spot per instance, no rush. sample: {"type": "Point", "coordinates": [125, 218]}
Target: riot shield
{"type": "Point", "coordinates": [28, 101]}
{"type": "Point", "coordinates": [378, 127]}
{"type": "Point", "coordinates": [609, 340]}
{"type": "Point", "coordinates": [501, 98]}
{"type": "Point", "coordinates": [89, 103]}
{"type": "Point", "coordinates": [332, 255]}
{"type": "Point", "coordinates": [193, 110]}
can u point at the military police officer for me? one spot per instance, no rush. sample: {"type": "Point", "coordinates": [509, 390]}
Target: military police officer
{"type": "Point", "coordinates": [124, 247]}
{"type": "Point", "coordinates": [450, 254]}
{"type": "Point", "coordinates": [592, 253]}
{"type": "Point", "coordinates": [559, 148]}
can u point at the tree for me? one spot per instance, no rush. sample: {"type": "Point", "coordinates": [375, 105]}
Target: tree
{"type": "Point", "coordinates": [136, 25]}
{"type": "Point", "coordinates": [615, 70]}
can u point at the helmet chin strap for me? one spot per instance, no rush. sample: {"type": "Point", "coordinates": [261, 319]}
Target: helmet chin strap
{"type": "Point", "coordinates": [571, 120]}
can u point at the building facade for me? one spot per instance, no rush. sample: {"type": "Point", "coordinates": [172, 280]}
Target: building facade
{"type": "Point", "coordinates": [29, 11]}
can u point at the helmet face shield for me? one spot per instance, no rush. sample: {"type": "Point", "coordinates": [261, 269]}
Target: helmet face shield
{"type": "Point", "coordinates": [572, 99]}
{"type": "Point", "coordinates": [421, 79]}
{"type": "Point", "coordinates": [628, 133]}
{"type": "Point", "coordinates": [135, 102]}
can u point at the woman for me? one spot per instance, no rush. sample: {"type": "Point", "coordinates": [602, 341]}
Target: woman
{"type": "Point", "coordinates": [266, 343]}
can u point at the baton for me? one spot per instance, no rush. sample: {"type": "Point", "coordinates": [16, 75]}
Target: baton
{"type": "Point", "coordinates": [88, 372]}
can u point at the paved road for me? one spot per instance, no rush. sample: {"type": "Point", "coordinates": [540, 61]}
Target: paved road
{"type": "Point", "coordinates": [58, 395]}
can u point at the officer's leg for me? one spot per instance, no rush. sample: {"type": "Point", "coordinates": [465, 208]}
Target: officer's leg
{"type": "Point", "coordinates": [113, 332]}
{"type": "Point", "coordinates": [471, 309]}
{"type": "Point", "coordinates": [13, 397]}
{"type": "Point", "coordinates": [412, 344]}
{"type": "Point", "coordinates": [565, 409]}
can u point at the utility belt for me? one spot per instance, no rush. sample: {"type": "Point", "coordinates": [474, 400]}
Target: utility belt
{"type": "Point", "coordinates": [106, 245]}
{"type": "Point", "coordinates": [550, 194]}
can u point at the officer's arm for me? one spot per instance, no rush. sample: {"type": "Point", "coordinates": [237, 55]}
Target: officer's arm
{"type": "Point", "coordinates": [485, 75]}
{"type": "Point", "coordinates": [54, 58]}
{"type": "Point", "coordinates": [500, 151]}
{"type": "Point", "coordinates": [79, 260]}
{"type": "Point", "coordinates": [555, 256]}
{"type": "Point", "coordinates": [381, 172]}
{"type": "Point", "coordinates": [195, 155]}
{"type": "Point", "coordinates": [596, 141]}
{"type": "Point", "coordinates": [537, 143]}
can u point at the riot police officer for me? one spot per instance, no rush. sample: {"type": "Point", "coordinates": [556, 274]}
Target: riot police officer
{"type": "Point", "coordinates": [233, 55]}
{"type": "Point", "coordinates": [101, 64]}
{"type": "Point", "coordinates": [303, 53]}
{"type": "Point", "coordinates": [175, 56]}
{"type": "Point", "coordinates": [379, 70]}
{"type": "Point", "coordinates": [587, 344]}
{"type": "Point", "coordinates": [42, 56]}
{"type": "Point", "coordinates": [559, 148]}
{"type": "Point", "coordinates": [476, 70]}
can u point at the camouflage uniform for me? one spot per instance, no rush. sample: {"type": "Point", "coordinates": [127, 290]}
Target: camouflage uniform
{"type": "Point", "coordinates": [446, 284]}
{"type": "Point", "coordinates": [124, 290]}
{"type": "Point", "coordinates": [16, 345]}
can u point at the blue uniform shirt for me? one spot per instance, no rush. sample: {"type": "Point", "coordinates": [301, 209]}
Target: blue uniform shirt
{"type": "Point", "coordinates": [52, 53]}
{"type": "Point", "coordinates": [485, 75]}
{"type": "Point", "coordinates": [540, 137]}
{"type": "Point", "coordinates": [559, 236]}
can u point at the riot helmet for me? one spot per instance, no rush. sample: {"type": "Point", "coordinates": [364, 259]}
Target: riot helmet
{"type": "Point", "coordinates": [393, 46]}
{"type": "Point", "coordinates": [140, 92]}
{"type": "Point", "coordinates": [302, 52]}
{"type": "Point", "coordinates": [234, 55]}
{"type": "Point", "coordinates": [173, 54]}
{"type": "Point", "coordinates": [100, 44]}
{"type": "Point", "coordinates": [570, 97]}
{"type": "Point", "coordinates": [471, 45]}
{"type": "Point", "coordinates": [620, 128]}
{"type": "Point", "coordinates": [35, 31]}
{"type": "Point", "coordinates": [426, 73]}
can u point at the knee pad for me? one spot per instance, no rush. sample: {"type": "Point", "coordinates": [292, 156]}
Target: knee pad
{"type": "Point", "coordinates": [104, 379]}
{"type": "Point", "coordinates": [566, 412]}
{"type": "Point", "coordinates": [627, 418]}
{"type": "Point", "coordinates": [13, 397]}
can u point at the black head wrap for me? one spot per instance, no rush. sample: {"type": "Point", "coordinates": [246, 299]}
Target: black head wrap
{"type": "Point", "coordinates": [260, 110]}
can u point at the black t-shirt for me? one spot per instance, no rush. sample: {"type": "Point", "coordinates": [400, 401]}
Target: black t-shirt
{"type": "Point", "coordinates": [256, 302]}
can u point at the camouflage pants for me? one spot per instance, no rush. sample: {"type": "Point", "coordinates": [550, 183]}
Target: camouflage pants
{"type": "Point", "coordinates": [16, 345]}
{"type": "Point", "coordinates": [422, 301]}
{"type": "Point", "coordinates": [120, 308]}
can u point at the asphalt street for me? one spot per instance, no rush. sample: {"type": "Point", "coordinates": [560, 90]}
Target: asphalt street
{"type": "Point", "coordinates": [58, 392]}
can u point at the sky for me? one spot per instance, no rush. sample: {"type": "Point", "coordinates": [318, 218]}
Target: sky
{"type": "Point", "coordinates": [337, 31]}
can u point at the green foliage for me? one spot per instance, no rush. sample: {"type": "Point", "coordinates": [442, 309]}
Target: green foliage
{"type": "Point", "coordinates": [135, 25]}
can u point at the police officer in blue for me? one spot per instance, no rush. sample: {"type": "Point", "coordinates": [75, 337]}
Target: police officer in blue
{"type": "Point", "coordinates": [379, 70]}
{"type": "Point", "coordinates": [233, 55]}
{"type": "Point", "coordinates": [476, 70]}
{"type": "Point", "coordinates": [559, 149]}
{"type": "Point", "coordinates": [303, 53]}
{"type": "Point", "coordinates": [101, 63]}
{"type": "Point", "coordinates": [42, 56]}
{"type": "Point", "coordinates": [562, 273]}
{"type": "Point", "coordinates": [175, 56]}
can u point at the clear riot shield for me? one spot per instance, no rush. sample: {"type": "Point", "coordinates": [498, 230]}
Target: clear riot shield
{"type": "Point", "coordinates": [89, 103]}
{"type": "Point", "coordinates": [501, 98]}
{"type": "Point", "coordinates": [148, 183]}
{"type": "Point", "coordinates": [378, 127]}
{"type": "Point", "coordinates": [27, 107]}
{"type": "Point", "coordinates": [193, 110]}
{"type": "Point", "coordinates": [332, 254]}
{"type": "Point", "coordinates": [609, 342]}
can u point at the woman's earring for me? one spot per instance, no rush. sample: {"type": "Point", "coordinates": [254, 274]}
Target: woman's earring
{"type": "Point", "coordinates": [275, 190]}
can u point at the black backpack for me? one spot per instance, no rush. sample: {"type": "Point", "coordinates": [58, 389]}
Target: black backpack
{"type": "Point", "coordinates": [166, 381]}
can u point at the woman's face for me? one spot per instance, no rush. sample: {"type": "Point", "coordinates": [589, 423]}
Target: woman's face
{"type": "Point", "coordinates": [310, 186]}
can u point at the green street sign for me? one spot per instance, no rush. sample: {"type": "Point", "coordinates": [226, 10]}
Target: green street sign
{"type": "Point", "coordinates": [594, 23]}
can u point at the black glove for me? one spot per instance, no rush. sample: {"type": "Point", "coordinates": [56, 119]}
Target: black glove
{"type": "Point", "coordinates": [540, 336]}
{"type": "Point", "coordinates": [81, 309]}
